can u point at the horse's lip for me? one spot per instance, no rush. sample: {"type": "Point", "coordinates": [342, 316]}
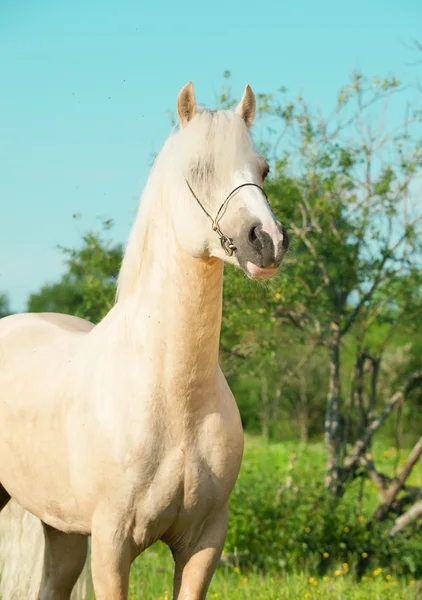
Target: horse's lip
{"type": "Point", "coordinates": [256, 272]}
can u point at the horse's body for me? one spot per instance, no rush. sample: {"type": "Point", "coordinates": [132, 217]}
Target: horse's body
{"type": "Point", "coordinates": [88, 429]}
{"type": "Point", "coordinates": [127, 431]}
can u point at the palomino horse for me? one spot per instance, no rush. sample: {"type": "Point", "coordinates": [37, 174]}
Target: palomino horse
{"type": "Point", "coordinates": [128, 431]}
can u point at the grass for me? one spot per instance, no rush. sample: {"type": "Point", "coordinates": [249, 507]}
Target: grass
{"type": "Point", "coordinates": [151, 575]}
{"type": "Point", "coordinates": [151, 579]}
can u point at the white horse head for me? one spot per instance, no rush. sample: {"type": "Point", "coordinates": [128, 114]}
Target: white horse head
{"type": "Point", "coordinates": [214, 176]}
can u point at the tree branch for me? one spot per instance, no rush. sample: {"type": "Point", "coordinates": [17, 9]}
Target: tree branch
{"type": "Point", "coordinates": [398, 483]}
{"type": "Point", "coordinates": [362, 443]}
{"type": "Point", "coordinates": [381, 481]}
{"type": "Point", "coordinates": [404, 520]}
{"type": "Point", "coordinates": [378, 278]}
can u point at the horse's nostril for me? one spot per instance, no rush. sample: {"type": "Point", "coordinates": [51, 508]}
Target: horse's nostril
{"type": "Point", "coordinates": [253, 237]}
{"type": "Point", "coordinates": [252, 234]}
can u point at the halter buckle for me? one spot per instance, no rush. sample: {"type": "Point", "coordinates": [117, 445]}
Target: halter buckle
{"type": "Point", "coordinates": [227, 245]}
{"type": "Point", "coordinates": [226, 242]}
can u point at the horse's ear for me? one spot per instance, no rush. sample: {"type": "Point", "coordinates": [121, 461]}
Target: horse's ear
{"type": "Point", "coordinates": [186, 104]}
{"type": "Point", "coordinates": [247, 106]}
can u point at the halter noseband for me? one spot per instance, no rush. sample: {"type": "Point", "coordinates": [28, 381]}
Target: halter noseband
{"type": "Point", "coordinates": [226, 242]}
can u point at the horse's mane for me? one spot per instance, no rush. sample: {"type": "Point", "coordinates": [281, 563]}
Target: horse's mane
{"type": "Point", "coordinates": [209, 147]}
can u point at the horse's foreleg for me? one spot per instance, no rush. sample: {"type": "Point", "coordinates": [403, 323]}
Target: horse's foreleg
{"type": "Point", "coordinates": [64, 559]}
{"type": "Point", "coordinates": [111, 557]}
{"type": "Point", "coordinates": [195, 566]}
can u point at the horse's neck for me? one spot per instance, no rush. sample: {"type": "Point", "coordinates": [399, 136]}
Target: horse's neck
{"type": "Point", "coordinates": [173, 317]}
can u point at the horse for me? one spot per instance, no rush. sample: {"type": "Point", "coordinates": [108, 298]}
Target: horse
{"type": "Point", "coordinates": [126, 432]}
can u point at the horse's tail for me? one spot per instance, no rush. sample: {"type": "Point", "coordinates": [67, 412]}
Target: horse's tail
{"type": "Point", "coordinates": [21, 557]}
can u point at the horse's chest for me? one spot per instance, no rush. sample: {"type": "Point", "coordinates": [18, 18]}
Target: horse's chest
{"type": "Point", "coordinates": [185, 481]}
{"type": "Point", "coordinates": [186, 488]}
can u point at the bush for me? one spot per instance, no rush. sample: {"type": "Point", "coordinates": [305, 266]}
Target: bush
{"type": "Point", "coordinates": [281, 517]}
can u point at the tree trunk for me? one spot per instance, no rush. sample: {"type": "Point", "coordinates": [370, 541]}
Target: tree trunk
{"type": "Point", "coordinates": [332, 420]}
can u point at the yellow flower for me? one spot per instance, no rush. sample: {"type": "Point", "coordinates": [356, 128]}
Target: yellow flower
{"type": "Point", "coordinates": [337, 573]}
{"type": "Point", "coordinates": [325, 555]}
{"type": "Point", "coordinates": [236, 569]}
{"type": "Point", "coordinates": [346, 530]}
{"type": "Point", "coordinates": [361, 519]}
{"type": "Point", "coordinates": [215, 595]}
{"type": "Point", "coordinates": [244, 579]}
{"type": "Point", "coordinates": [307, 529]}
{"type": "Point", "coordinates": [307, 595]}
{"type": "Point", "coordinates": [345, 566]}
{"type": "Point", "coordinates": [364, 555]}
{"type": "Point", "coordinates": [313, 581]}
{"type": "Point", "coordinates": [388, 577]}
{"type": "Point", "coordinates": [411, 582]}
{"type": "Point", "coordinates": [377, 572]}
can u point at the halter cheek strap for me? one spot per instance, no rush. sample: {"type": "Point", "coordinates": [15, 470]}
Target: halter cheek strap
{"type": "Point", "coordinates": [226, 242]}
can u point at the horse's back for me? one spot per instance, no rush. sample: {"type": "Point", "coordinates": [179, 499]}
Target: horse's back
{"type": "Point", "coordinates": [42, 322]}
{"type": "Point", "coordinates": [25, 336]}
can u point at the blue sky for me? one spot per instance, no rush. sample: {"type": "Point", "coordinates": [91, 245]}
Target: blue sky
{"type": "Point", "coordinates": [86, 87]}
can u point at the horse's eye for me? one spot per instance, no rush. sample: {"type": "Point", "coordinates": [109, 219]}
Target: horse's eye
{"type": "Point", "coordinates": [264, 167]}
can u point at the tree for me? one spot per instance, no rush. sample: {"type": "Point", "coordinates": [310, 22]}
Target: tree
{"type": "Point", "coordinates": [344, 185]}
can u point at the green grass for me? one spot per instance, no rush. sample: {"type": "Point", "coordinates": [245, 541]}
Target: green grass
{"type": "Point", "coordinates": [310, 461]}
{"type": "Point", "coordinates": [151, 579]}
{"type": "Point", "coordinates": [151, 575]}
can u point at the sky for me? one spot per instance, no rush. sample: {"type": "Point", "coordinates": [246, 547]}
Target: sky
{"type": "Point", "coordinates": [86, 88]}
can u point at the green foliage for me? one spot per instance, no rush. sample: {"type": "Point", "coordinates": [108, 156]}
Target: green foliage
{"type": "Point", "coordinates": [282, 517]}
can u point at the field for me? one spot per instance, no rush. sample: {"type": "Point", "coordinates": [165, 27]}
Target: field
{"type": "Point", "coordinates": [152, 576]}
{"type": "Point", "coordinates": [313, 573]}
